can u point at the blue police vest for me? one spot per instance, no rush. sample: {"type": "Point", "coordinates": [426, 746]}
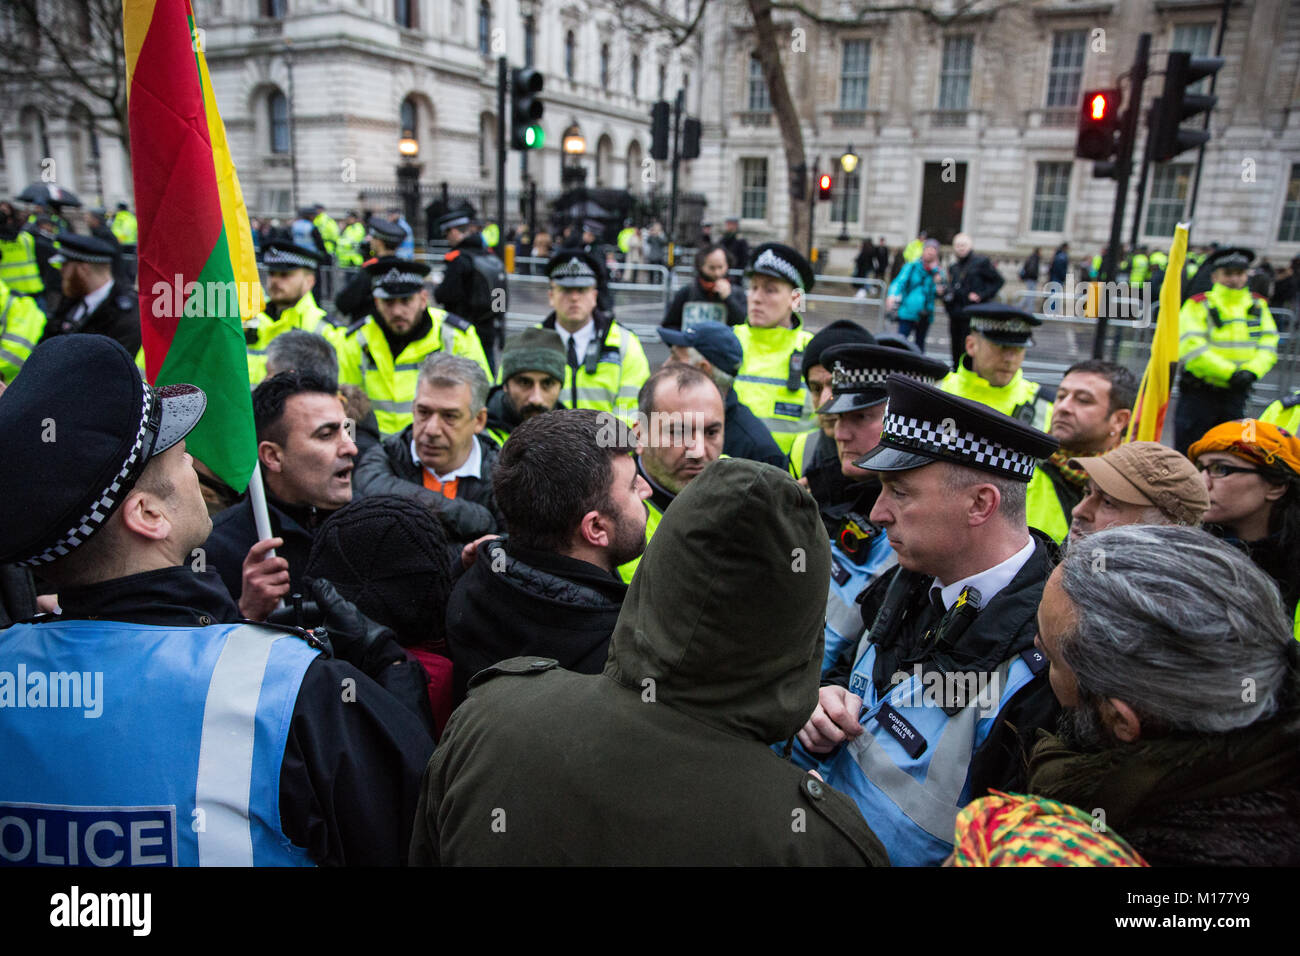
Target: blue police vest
{"type": "Point", "coordinates": [909, 770]}
{"type": "Point", "coordinates": [844, 623]}
{"type": "Point", "coordinates": [300, 230]}
{"type": "Point", "coordinates": [128, 745]}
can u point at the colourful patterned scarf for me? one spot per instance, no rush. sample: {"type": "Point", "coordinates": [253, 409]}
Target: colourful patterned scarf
{"type": "Point", "coordinates": [1075, 476]}
{"type": "Point", "coordinates": [1006, 829]}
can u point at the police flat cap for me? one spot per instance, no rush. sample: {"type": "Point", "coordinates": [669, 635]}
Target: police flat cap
{"type": "Point", "coordinates": [1232, 257]}
{"type": "Point", "coordinates": [859, 373]}
{"type": "Point", "coordinates": [780, 261]}
{"type": "Point", "coordinates": [281, 255]}
{"type": "Point", "coordinates": [389, 232]}
{"type": "Point", "coordinates": [71, 247]}
{"type": "Point", "coordinates": [1003, 324]}
{"type": "Point", "coordinates": [457, 218]}
{"type": "Point", "coordinates": [573, 269]}
{"type": "Point", "coordinates": [70, 461]}
{"type": "Point", "coordinates": [394, 278]}
{"type": "Point", "coordinates": [924, 424]}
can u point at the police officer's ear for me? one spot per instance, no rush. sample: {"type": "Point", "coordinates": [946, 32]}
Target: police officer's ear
{"type": "Point", "coordinates": [970, 344]}
{"type": "Point", "coordinates": [310, 279]}
{"type": "Point", "coordinates": [796, 300]}
{"type": "Point", "coordinates": [985, 500]}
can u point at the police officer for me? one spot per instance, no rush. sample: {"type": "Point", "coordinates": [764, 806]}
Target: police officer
{"type": "Point", "coordinates": [124, 227]}
{"type": "Point", "coordinates": [92, 301]}
{"type": "Point", "coordinates": [606, 365]}
{"type": "Point", "coordinates": [860, 551]}
{"type": "Point", "coordinates": [347, 250]}
{"type": "Point", "coordinates": [470, 275]}
{"type": "Point", "coordinates": [356, 300]}
{"type": "Point", "coordinates": [290, 279]}
{"type": "Point", "coordinates": [1227, 341]}
{"type": "Point", "coordinates": [19, 267]}
{"type": "Point", "coordinates": [774, 338]}
{"type": "Point", "coordinates": [382, 353]}
{"type": "Point", "coordinates": [1285, 413]}
{"type": "Point", "coordinates": [21, 325]}
{"type": "Point", "coordinates": [228, 753]}
{"type": "Point", "coordinates": [990, 373]}
{"type": "Point", "coordinates": [328, 228]}
{"type": "Point", "coordinates": [943, 695]}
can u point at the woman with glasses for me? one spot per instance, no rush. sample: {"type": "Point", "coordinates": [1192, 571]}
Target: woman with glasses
{"type": "Point", "coordinates": [1252, 472]}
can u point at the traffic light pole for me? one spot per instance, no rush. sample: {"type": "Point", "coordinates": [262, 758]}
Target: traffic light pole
{"type": "Point", "coordinates": [1200, 154]}
{"type": "Point", "coordinates": [677, 158]}
{"type": "Point", "coordinates": [1125, 172]}
{"type": "Point", "coordinates": [812, 205]}
{"type": "Point", "coordinates": [503, 78]}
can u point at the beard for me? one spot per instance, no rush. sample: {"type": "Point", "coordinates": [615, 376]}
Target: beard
{"type": "Point", "coordinates": [628, 543]}
{"type": "Point", "coordinates": [1080, 729]}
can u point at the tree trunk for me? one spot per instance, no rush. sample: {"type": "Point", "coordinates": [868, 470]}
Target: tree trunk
{"type": "Point", "coordinates": [768, 44]}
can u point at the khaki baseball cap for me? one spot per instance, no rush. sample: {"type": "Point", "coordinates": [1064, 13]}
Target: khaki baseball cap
{"type": "Point", "coordinates": [1149, 473]}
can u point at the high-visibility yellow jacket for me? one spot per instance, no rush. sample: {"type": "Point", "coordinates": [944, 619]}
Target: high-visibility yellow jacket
{"type": "Point", "coordinates": [770, 380]}
{"type": "Point", "coordinates": [1139, 270]}
{"type": "Point", "coordinates": [653, 517]}
{"type": "Point", "coordinates": [1285, 413]}
{"type": "Point", "coordinates": [328, 229]}
{"type": "Point", "coordinates": [21, 326]}
{"type": "Point", "coordinates": [611, 373]}
{"type": "Point", "coordinates": [304, 314]}
{"type": "Point", "coordinates": [1044, 509]}
{"type": "Point", "coordinates": [1020, 398]}
{"type": "Point", "coordinates": [913, 250]}
{"type": "Point", "coordinates": [1224, 331]}
{"type": "Point", "coordinates": [390, 381]}
{"type": "Point", "coordinates": [19, 269]}
{"type": "Point", "coordinates": [124, 227]}
{"type": "Point", "coordinates": [347, 250]}
{"type": "Point", "coordinates": [802, 451]}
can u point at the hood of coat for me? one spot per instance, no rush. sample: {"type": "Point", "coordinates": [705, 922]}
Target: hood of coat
{"type": "Point", "coordinates": [726, 612]}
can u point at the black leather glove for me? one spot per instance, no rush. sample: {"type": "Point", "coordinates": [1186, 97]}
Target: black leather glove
{"type": "Point", "coordinates": [1242, 379]}
{"type": "Point", "coordinates": [366, 645]}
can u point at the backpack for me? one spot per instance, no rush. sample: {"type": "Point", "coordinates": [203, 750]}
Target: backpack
{"type": "Point", "coordinates": [489, 276]}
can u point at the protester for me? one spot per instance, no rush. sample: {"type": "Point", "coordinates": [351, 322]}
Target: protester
{"type": "Point", "coordinates": [1141, 482]}
{"type": "Point", "coordinates": [1181, 722]}
{"type": "Point", "coordinates": [972, 279]}
{"type": "Point", "coordinates": [710, 296]}
{"type": "Point", "coordinates": [913, 292]}
{"type": "Point", "coordinates": [662, 759]}
{"type": "Point", "coordinates": [532, 373]}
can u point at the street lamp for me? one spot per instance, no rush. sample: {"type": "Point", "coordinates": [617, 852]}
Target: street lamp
{"type": "Point", "coordinates": [574, 146]}
{"type": "Point", "coordinates": [408, 176]}
{"type": "Point", "coordinates": [848, 163]}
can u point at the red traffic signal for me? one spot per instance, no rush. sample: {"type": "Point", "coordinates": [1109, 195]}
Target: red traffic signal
{"type": "Point", "coordinates": [824, 186]}
{"type": "Point", "coordinates": [1098, 124]}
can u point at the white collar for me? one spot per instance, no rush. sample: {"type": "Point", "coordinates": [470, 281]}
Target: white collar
{"type": "Point", "coordinates": [92, 300]}
{"type": "Point", "coordinates": [988, 582]}
{"type": "Point", "coordinates": [472, 467]}
{"type": "Point", "coordinates": [581, 338]}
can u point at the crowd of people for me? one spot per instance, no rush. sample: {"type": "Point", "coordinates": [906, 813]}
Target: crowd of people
{"type": "Point", "coordinates": [794, 597]}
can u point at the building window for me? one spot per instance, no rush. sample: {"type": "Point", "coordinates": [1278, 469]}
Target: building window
{"type": "Point", "coordinates": [853, 74]}
{"type": "Point", "coordinates": [636, 74]}
{"type": "Point", "coordinates": [404, 12]}
{"type": "Point", "coordinates": [484, 27]}
{"type": "Point", "coordinates": [954, 72]}
{"type": "Point", "coordinates": [1196, 39]}
{"type": "Point", "coordinates": [759, 101]}
{"type": "Point", "coordinates": [1051, 195]}
{"type": "Point", "coordinates": [1066, 73]}
{"type": "Point", "coordinates": [273, 9]}
{"type": "Point", "coordinates": [408, 119]}
{"type": "Point", "coordinates": [569, 51]}
{"type": "Point", "coordinates": [1290, 230]}
{"type": "Point", "coordinates": [1170, 184]}
{"type": "Point", "coordinates": [846, 197]}
{"type": "Point", "coordinates": [278, 109]}
{"type": "Point", "coordinates": [753, 188]}
{"type": "Point", "coordinates": [604, 66]}
{"type": "Point", "coordinates": [663, 79]}
{"type": "Point", "coordinates": [530, 40]}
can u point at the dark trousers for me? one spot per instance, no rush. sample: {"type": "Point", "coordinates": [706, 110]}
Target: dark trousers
{"type": "Point", "coordinates": [921, 325]}
{"type": "Point", "coordinates": [1201, 407]}
{"type": "Point", "coordinates": [958, 328]}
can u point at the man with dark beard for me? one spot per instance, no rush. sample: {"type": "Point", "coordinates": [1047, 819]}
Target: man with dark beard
{"type": "Point", "coordinates": [574, 502]}
{"type": "Point", "coordinates": [1181, 718]}
{"type": "Point", "coordinates": [532, 374]}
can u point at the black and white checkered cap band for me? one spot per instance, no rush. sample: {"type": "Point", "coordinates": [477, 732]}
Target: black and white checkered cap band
{"type": "Point", "coordinates": [929, 438]}
{"type": "Point", "coordinates": [104, 506]}
{"type": "Point", "coordinates": [454, 223]}
{"type": "Point", "coordinates": [855, 379]}
{"type": "Point", "coordinates": [1015, 326]}
{"type": "Point", "coordinates": [574, 269]}
{"type": "Point", "coordinates": [770, 260]}
{"type": "Point", "coordinates": [285, 259]}
{"type": "Point", "coordinates": [396, 278]}
{"type": "Point", "coordinates": [68, 254]}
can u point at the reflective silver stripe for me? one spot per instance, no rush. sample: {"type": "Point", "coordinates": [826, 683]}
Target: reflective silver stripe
{"type": "Point", "coordinates": [844, 619]}
{"type": "Point", "coordinates": [18, 340]}
{"type": "Point", "coordinates": [257, 351]}
{"type": "Point", "coordinates": [760, 380]}
{"type": "Point", "coordinates": [593, 394]}
{"type": "Point", "coordinates": [408, 366]}
{"type": "Point", "coordinates": [448, 337]}
{"type": "Point", "coordinates": [629, 391]}
{"type": "Point", "coordinates": [226, 748]}
{"type": "Point", "coordinates": [810, 453]}
{"type": "Point", "coordinates": [18, 362]}
{"type": "Point", "coordinates": [1195, 352]}
{"type": "Point", "coordinates": [786, 425]}
{"type": "Point", "coordinates": [395, 408]}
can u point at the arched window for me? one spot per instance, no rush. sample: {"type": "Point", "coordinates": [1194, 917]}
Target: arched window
{"type": "Point", "coordinates": [409, 118]}
{"type": "Point", "coordinates": [273, 9]}
{"type": "Point", "coordinates": [405, 12]}
{"type": "Point", "coordinates": [530, 40]}
{"type": "Point", "coordinates": [569, 52]}
{"type": "Point", "coordinates": [604, 66]}
{"type": "Point", "coordinates": [278, 112]}
{"type": "Point", "coordinates": [484, 27]}
{"type": "Point", "coordinates": [663, 80]}
{"type": "Point", "coordinates": [636, 73]}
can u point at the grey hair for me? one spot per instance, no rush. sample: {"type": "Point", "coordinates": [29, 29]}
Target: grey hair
{"type": "Point", "coordinates": [443, 370]}
{"type": "Point", "coordinates": [303, 351]}
{"type": "Point", "coordinates": [1177, 624]}
{"type": "Point", "coordinates": [1012, 492]}
{"type": "Point", "coordinates": [720, 378]}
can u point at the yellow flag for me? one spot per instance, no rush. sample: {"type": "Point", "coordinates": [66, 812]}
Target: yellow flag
{"type": "Point", "coordinates": [1157, 381]}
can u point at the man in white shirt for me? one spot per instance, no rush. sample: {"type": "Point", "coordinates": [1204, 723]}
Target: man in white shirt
{"type": "Point", "coordinates": [92, 301]}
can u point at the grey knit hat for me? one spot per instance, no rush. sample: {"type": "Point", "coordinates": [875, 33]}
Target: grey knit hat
{"type": "Point", "coordinates": [539, 350]}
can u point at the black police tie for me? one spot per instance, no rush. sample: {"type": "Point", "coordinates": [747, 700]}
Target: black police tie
{"type": "Point", "coordinates": [573, 355]}
{"type": "Point", "coordinates": [937, 607]}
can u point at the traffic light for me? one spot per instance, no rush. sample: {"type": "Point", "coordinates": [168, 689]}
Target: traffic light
{"type": "Point", "coordinates": [659, 116]}
{"type": "Point", "coordinates": [690, 139]}
{"type": "Point", "coordinates": [824, 186]}
{"type": "Point", "coordinates": [526, 109]}
{"type": "Point", "coordinates": [1098, 125]}
{"type": "Point", "coordinates": [1176, 104]}
{"type": "Point", "coordinates": [799, 181]}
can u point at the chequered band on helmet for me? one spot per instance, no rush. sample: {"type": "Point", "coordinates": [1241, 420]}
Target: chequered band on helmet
{"type": "Point", "coordinates": [396, 278]}
{"type": "Point", "coordinates": [952, 445]}
{"type": "Point", "coordinates": [770, 260]}
{"type": "Point", "coordinates": [117, 489]}
{"type": "Point", "coordinates": [855, 379]}
{"type": "Point", "coordinates": [287, 260]}
{"type": "Point", "coordinates": [981, 324]}
{"type": "Point", "coordinates": [574, 269]}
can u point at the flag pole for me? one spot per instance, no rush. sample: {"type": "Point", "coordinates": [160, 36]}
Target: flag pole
{"type": "Point", "coordinates": [261, 516]}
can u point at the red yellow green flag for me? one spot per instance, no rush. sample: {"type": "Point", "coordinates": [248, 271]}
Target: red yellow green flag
{"type": "Point", "coordinates": [1148, 419]}
{"type": "Point", "coordinates": [197, 269]}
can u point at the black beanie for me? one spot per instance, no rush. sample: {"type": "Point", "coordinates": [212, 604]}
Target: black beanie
{"type": "Point", "coordinates": [390, 556]}
{"type": "Point", "coordinates": [842, 332]}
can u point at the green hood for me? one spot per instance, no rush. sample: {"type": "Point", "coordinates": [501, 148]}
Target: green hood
{"type": "Point", "coordinates": [727, 610]}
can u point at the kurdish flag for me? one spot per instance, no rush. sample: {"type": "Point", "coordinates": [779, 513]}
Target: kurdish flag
{"type": "Point", "coordinates": [1157, 381]}
{"type": "Point", "coordinates": [197, 270]}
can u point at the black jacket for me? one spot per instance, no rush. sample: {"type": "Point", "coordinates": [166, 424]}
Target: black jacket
{"type": "Point", "coordinates": [515, 601]}
{"type": "Point", "coordinates": [972, 274]}
{"type": "Point", "coordinates": [737, 248]}
{"type": "Point", "coordinates": [234, 532]}
{"type": "Point", "coordinates": [350, 776]}
{"type": "Point", "coordinates": [744, 436]}
{"type": "Point", "coordinates": [355, 300]}
{"type": "Point", "coordinates": [389, 470]}
{"type": "Point", "coordinates": [1006, 626]}
{"type": "Point", "coordinates": [728, 311]}
{"type": "Point", "coordinates": [456, 290]}
{"type": "Point", "coordinates": [117, 316]}
{"type": "Point", "coordinates": [836, 495]}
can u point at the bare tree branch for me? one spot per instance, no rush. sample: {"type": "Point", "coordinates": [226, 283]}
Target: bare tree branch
{"type": "Point", "coordinates": [962, 11]}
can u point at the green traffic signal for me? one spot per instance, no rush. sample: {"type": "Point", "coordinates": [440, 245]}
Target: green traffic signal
{"type": "Point", "coordinates": [534, 137]}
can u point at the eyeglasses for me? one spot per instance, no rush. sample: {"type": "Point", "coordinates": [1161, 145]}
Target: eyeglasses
{"type": "Point", "coordinates": [1218, 469]}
